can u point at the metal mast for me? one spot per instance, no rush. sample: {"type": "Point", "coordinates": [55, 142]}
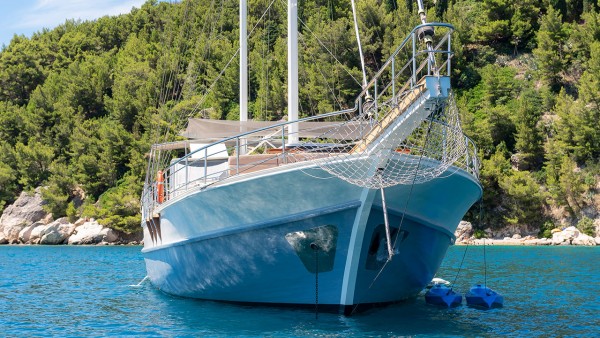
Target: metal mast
{"type": "Point", "coordinates": [292, 70]}
{"type": "Point", "coordinates": [243, 68]}
{"type": "Point", "coordinates": [360, 52]}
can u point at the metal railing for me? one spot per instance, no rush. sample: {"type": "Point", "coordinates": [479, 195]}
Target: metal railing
{"type": "Point", "coordinates": [268, 147]}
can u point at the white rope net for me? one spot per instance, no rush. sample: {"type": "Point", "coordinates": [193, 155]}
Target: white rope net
{"type": "Point", "coordinates": [414, 153]}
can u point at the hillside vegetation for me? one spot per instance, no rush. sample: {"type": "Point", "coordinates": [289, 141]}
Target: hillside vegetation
{"type": "Point", "coordinates": [81, 103]}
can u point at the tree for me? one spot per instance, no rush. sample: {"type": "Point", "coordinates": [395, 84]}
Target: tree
{"type": "Point", "coordinates": [529, 135]}
{"type": "Point", "coordinates": [32, 162]}
{"type": "Point", "coordinates": [132, 87]}
{"type": "Point", "coordinates": [118, 207]}
{"type": "Point", "coordinates": [586, 136]}
{"type": "Point", "coordinates": [99, 155]}
{"type": "Point", "coordinates": [523, 199]}
{"type": "Point", "coordinates": [20, 71]}
{"type": "Point", "coordinates": [550, 56]}
{"type": "Point", "coordinates": [523, 22]}
{"type": "Point", "coordinates": [8, 176]}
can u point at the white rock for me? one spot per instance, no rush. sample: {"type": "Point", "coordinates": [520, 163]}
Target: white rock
{"type": "Point", "coordinates": [57, 232]}
{"type": "Point", "coordinates": [3, 239]}
{"type": "Point", "coordinates": [597, 240]}
{"type": "Point", "coordinates": [558, 238]}
{"type": "Point", "coordinates": [463, 232]}
{"type": "Point", "coordinates": [516, 236]}
{"type": "Point", "coordinates": [572, 232]}
{"type": "Point", "coordinates": [92, 232]}
{"type": "Point", "coordinates": [25, 234]}
{"type": "Point", "coordinates": [38, 231]}
{"type": "Point", "coordinates": [584, 239]}
{"type": "Point", "coordinates": [26, 210]}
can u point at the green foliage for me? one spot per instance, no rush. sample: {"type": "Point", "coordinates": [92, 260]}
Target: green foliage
{"type": "Point", "coordinates": [33, 162]}
{"type": "Point", "coordinates": [118, 207]}
{"type": "Point", "coordinates": [99, 152]}
{"type": "Point", "coordinates": [479, 234]}
{"type": "Point", "coordinates": [551, 53]}
{"type": "Point", "coordinates": [71, 212]}
{"type": "Point", "coordinates": [523, 199]}
{"type": "Point", "coordinates": [20, 71]}
{"type": "Point", "coordinates": [586, 225]}
{"type": "Point", "coordinates": [7, 184]}
{"type": "Point", "coordinates": [546, 229]}
{"type": "Point", "coordinates": [80, 104]}
{"type": "Point", "coordinates": [528, 135]}
{"type": "Point", "coordinates": [59, 189]}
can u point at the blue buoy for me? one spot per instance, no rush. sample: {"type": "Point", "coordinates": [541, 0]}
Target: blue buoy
{"type": "Point", "coordinates": [441, 294]}
{"type": "Point", "coordinates": [483, 296]}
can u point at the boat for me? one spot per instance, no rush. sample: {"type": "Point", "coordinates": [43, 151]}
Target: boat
{"type": "Point", "coordinates": [444, 295]}
{"type": "Point", "coordinates": [482, 296]}
{"type": "Point", "coordinates": [344, 210]}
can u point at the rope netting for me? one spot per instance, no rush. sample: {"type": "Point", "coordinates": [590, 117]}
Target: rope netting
{"type": "Point", "coordinates": [410, 153]}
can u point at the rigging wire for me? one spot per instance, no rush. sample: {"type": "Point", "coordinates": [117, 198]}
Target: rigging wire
{"type": "Point", "coordinates": [336, 100]}
{"type": "Point", "coordinates": [459, 267]}
{"type": "Point", "coordinates": [412, 185]}
{"type": "Point", "coordinates": [176, 65]}
{"type": "Point", "coordinates": [208, 90]}
{"type": "Point", "coordinates": [328, 51]}
{"type": "Point", "coordinates": [484, 255]}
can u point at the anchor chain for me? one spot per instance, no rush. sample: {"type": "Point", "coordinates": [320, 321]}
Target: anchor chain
{"type": "Point", "coordinates": [315, 247]}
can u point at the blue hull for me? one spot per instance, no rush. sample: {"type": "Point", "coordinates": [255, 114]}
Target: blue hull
{"type": "Point", "coordinates": [269, 237]}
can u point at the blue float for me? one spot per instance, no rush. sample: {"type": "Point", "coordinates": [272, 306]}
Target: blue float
{"type": "Point", "coordinates": [482, 296]}
{"type": "Point", "coordinates": [441, 294]}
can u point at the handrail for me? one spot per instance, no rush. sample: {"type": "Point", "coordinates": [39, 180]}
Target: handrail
{"type": "Point", "coordinates": [275, 126]}
{"type": "Point", "coordinates": [385, 96]}
{"type": "Point", "coordinates": [410, 36]}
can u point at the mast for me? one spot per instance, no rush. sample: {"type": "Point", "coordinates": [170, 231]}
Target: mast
{"type": "Point", "coordinates": [243, 61]}
{"type": "Point", "coordinates": [426, 34]}
{"type": "Point", "coordinates": [243, 70]}
{"type": "Point", "coordinates": [362, 59]}
{"type": "Point", "coordinates": [293, 70]}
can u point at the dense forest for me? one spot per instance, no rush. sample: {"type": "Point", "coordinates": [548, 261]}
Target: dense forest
{"type": "Point", "coordinates": [81, 103]}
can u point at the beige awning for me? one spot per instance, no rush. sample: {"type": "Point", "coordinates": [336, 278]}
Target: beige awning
{"type": "Point", "coordinates": [205, 129]}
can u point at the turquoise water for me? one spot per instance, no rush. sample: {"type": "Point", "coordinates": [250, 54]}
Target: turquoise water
{"type": "Point", "coordinates": [85, 291]}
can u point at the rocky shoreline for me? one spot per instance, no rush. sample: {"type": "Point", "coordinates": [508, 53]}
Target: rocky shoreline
{"type": "Point", "coordinates": [568, 236]}
{"type": "Point", "coordinates": [26, 222]}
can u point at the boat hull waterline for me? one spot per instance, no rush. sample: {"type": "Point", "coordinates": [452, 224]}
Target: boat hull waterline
{"type": "Point", "coordinates": [271, 250]}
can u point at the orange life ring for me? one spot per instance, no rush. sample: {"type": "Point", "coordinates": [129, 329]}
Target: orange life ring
{"type": "Point", "coordinates": [160, 186]}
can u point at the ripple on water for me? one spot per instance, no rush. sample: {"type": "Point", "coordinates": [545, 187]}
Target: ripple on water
{"type": "Point", "coordinates": [76, 291]}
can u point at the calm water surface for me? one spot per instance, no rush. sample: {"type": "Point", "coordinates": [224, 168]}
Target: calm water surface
{"type": "Point", "coordinates": [86, 291]}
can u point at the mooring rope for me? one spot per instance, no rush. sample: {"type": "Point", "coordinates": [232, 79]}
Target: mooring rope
{"type": "Point", "coordinates": [315, 247]}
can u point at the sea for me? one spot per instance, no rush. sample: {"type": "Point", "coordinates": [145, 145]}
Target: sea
{"type": "Point", "coordinates": [95, 291]}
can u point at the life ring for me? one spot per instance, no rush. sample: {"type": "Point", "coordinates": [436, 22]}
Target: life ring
{"type": "Point", "coordinates": [160, 186]}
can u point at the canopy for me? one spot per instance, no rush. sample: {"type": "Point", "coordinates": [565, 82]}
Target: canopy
{"type": "Point", "coordinates": [206, 129]}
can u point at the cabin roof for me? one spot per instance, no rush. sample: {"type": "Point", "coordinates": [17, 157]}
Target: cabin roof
{"type": "Point", "coordinates": [206, 129]}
